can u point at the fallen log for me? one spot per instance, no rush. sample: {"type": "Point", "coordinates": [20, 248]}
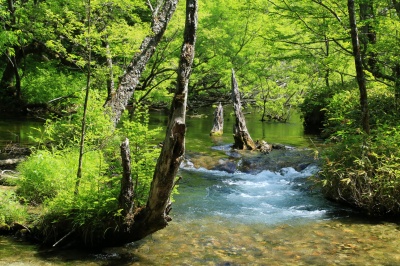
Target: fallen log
{"type": "Point", "coordinates": [9, 162]}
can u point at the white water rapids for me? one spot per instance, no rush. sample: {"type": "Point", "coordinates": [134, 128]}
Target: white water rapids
{"type": "Point", "coordinates": [267, 197]}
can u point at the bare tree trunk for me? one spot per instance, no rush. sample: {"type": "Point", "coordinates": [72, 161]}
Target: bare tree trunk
{"type": "Point", "coordinates": [129, 81]}
{"type": "Point", "coordinates": [241, 136]}
{"type": "Point", "coordinates": [127, 188]}
{"type": "Point", "coordinates": [85, 105]}
{"type": "Point", "coordinates": [174, 144]}
{"type": "Point", "coordinates": [359, 68]}
{"type": "Point", "coordinates": [396, 71]}
{"type": "Point", "coordinates": [218, 127]}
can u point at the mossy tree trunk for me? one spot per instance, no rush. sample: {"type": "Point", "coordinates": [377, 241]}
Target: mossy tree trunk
{"type": "Point", "coordinates": [243, 140]}
{"type": "Point", "coordinates": [118, 101]}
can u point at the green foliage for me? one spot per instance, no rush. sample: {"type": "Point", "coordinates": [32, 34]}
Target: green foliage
{"type": "Point", "coordinates": [315, 102]}
{"type": "Point", "coordinates": [49, 178]}
{"type": "Point", "coordinates": [44, 174]}
{"type": "Point", "coordinates": [48, 41]}
{"type": "Point", "coordinates": [364, 171]}
{"type": "Point", "coordinates": [46, 82]}
{"type": "Point", "coordinates": [11, 210]}
{"type": "Point", "coordinates": [144, 153]}
{"type": "Point", "coordinates": [342, 111]}
{"type": "Point", "coordinates": [49, 174]}
{"type": "Point", "coordinates": [277, 93]}
{"type": "Point", "coordinates": [65, 132]}
{"type": "Point", "coordinates": [97, 198]}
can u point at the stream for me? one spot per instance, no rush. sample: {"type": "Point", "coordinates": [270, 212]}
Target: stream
{"type": "Point", "coordinates": [237, 209]}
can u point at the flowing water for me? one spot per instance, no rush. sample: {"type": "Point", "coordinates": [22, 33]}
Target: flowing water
{"type": "Point", "coordinates": [263, 214]}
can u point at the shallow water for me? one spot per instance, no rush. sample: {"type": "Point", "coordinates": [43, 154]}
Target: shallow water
{"type": "Point", "coordinates": [266, 197]}
{"type": "Point", "coordinates": [264, 217]}
{"type": "Point", "coordinates": [18, 129]}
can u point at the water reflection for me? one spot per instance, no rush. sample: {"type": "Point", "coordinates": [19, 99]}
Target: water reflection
{"type": "Point", "coordinates": [18, 130]}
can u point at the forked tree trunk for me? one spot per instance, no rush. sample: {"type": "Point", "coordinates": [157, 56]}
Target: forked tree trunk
{"type": "Point", "coordinates": [154, 216]}
{"type": "Point", "coordinates": [129, 81]}
{"type": "Point", "coordinates": [218, 127]}
{"type": "Point", "coordinates": [135, 224]}
{"type": "Point", "coordinates": [243, 140]}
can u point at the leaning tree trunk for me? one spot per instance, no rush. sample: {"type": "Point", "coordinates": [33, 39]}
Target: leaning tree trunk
{"type": "Point", "coordinates": [218, 127]}
{"type": "Point", "coordinates": [129, 81]}
{"type": "Point", "coordinates": [174, 143]}
{"type": "Point", "coordinates": [241, 136]}
{"type": "Point", "coordinates": [359, 68]}
{"type": "Point", "coordinates": [154, 216]}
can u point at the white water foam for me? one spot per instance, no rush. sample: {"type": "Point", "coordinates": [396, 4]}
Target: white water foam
{"type": "Point", "coordinates": [266, 197]}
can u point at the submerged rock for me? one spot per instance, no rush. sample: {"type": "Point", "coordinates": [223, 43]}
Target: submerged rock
{"type": "Point", "coordinates": [228, 166]}
{"type": "Point", "coordinates": [253, 162]}
{"type": "Point", "coordinates": [263, 146]}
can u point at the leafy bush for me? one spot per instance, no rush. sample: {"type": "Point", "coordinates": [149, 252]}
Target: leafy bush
{"type": "Point", "coordinates": [343, 110]}
{"type": "Point", "coordinates": [45, 82]}
{"type": "Point", "coordinates": [341, 113]}
{"type": "Point", "coordinates": [144, 153]}
{"type": "Point", "coordinates": [364, 171]}
{"type": "Point", "coordinates": [11, 210]}
{"type": "Point", "coordinates": [315, 105]}
{"type": "Point", "coordinates": [64, 132]}
{"type": "Point", "coordinates": [49, 174]}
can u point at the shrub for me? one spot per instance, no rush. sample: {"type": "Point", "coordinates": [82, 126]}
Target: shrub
{"type": "Point", "coordinates": [315, 105]}
{"type": "Point", "coordinates": [360, 169]}
{"type": "Point", "coordinates": [342, 113]}
{"type": "Point", "coordinates": [364, 171]}
{"type": "Point", "coordinates": [45, 82]}
{"type": "Point", "coordinates": [64, 132]}
{"type": "Point", "coordinates": [49, 174]}
{"type": "Point", "coordinates": [144, 153]}
{"type": "Point", "coordinates": [11, 211]}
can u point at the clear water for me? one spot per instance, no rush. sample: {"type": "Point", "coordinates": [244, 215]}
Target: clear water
{"type": "Point", "coordinates": [267, 197]}
{"type": "Point", "coordinates": [265, 217]}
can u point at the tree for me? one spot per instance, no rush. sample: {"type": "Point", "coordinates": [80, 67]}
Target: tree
{"type": "Point", "coordinates": [154, 216]}
{"type": "Point", "coordinates": [42, 41]}
{"type": "Point", "coordinates": [359, 67]}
